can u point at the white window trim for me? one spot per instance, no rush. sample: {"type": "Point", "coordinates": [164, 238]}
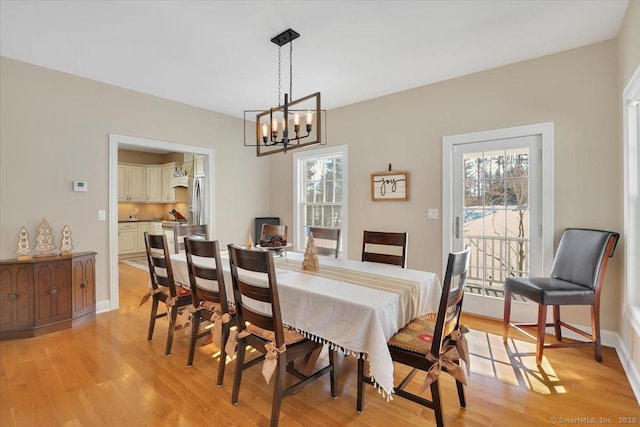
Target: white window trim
{"type": "Point", "coordinates": [297, 193]}
{"type": "Point", "coordinates": [630, 97]}
{"type": "Point", "coordinates": [545, 130]}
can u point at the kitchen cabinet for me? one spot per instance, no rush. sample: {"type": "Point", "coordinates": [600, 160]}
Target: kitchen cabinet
{"type": "Point", "coordinates": [142, 228]}
{"type": "Point", "coordinates": [198, 166]}
{"type": "Point", "coordinates": [42, 295]}
{"type": "Point", "coordinates": [154, 184]}
{"type": "Point", "coordinates": [168, 193]}
{"type": "Point", "coordinates": [127, 238]}
{"type": "Point", "coordinates": [131, 183]}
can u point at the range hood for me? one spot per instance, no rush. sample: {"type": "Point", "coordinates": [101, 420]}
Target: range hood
{"type": "Point", "coordinates": [179, 181]}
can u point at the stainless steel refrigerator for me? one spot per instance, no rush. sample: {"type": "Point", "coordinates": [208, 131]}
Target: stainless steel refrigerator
{"type": "Point", "coordinates": [196, 201]}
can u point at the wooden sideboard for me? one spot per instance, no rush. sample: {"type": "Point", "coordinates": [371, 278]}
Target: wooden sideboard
{"type": "Point", "coordinates": [43, 295]}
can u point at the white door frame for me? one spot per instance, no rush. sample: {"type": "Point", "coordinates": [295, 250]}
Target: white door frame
{"type": "Point", "coordinates": [131, 141]}
{"type": "Point", "coordinates": [545, 131]}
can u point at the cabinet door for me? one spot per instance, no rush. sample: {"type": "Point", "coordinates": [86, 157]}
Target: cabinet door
{"type": "Point", "coordinates": [84, 285]}
{"type": "Point", "coordinates": [16, 297]}
{"type": "Point", "coordinates": [142, 227]}
{"type": "Point", "coordinates": [127, 238]}
{"type": "Point", "coordinates": [52, 292]}
{"type": "Point", "coordinates": [154, 181]}
{"type": "Point", "coordinates": [137, 183]}
{"type": "Point", "coordinates": [198, 166]}
{"type": "Point", "coordinates": [168, 193]}
{"type": "Point", "coordinates": [123, 183]}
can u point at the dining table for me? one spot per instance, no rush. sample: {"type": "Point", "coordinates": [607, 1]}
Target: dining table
{"type": "Point", "coordinates": [352, 306]}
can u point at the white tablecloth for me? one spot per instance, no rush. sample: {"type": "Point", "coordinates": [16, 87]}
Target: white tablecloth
{"type": "Point", "coordinates": [356, 318]}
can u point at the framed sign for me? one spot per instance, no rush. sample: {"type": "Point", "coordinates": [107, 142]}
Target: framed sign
{"type": "Point", "coordinates": [390, 186]}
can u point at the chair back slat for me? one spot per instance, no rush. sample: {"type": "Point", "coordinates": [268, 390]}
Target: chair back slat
{"type": "Point", "coordinates": [182, 231]}
{"type": "Point", "coordinates": [273, 230]}
{"type": "Point", "coordinates": [246, 293]}
{"type": "Point", "coordinates": [205, 249]}
{"type": "Point", "coordinates": [158, 258]}
{"type": "Point", "coordinates": [450, 308]}
{"type": "Point", "coordinates": [582, 256]}
{"type": "Point", "coordinates": [397, 240]}
{"type": "Point", "coordinates": [330, 234]}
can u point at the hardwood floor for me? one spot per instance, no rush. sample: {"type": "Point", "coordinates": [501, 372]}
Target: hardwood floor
{"type": "Point", "coordinates": [105, 373]}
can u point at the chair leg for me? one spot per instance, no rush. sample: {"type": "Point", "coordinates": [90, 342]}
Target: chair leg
{"type": "Point", "coordinates": [437, 403]}
{"type": "Point", "coordinates": [507, 315]}
{"type": "Point", "coordinates": [237, 378]}
{"type": "Point", "coordinates": [595, 330]}
{"type": "Point", "coordinates": [277, 390]}
{"type": "Point", "coordinates": [360, 385]}
{"type": "Point", "coordinates": [223, 355]}
{"type": "Point", "coordinates": [332, 373]}
{"type": "Point", "coordinates": [172, 328]}
{"type": "Point", "coordinates": [556, 322]}
{"type": "Point", "coordinates": [152, 319]}
{"type": "Point", "coordinates": [195, 328]}
{"type": "Point", "coordinates": [542, 323]}
{"type": "Point", "coordinates": [460, 387]}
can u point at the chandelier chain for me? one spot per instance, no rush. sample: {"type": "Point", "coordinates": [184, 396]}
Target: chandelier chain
{"type": "Point", "coordinates": [279, 72]}
{"type": "Point", "coordinates": [291, 70]}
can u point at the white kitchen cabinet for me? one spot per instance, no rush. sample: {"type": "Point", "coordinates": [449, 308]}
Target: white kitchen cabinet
{"type": "Point", "coordinates": [168, 193]}
{"type": "Point", "coordinates": [198, 165]}
{"type": "Point", "coordinates": [131, 183]}
{"type": "Point", "coordinates": [154, 184]}
{"type": "Point", "coordinates": [142, 227]}
{"type": "Point", "coordinates": [127, 238]}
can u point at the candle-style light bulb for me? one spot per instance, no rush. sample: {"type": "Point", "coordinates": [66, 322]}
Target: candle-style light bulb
{"type": "Point", "coordinates": [265, 130]}
{"type": "Point", "coordinates": [309, 117]}
{"type": "Point", "coordinates": [296, 119]}
{"type": "Point", "coordinates": [274, 125]}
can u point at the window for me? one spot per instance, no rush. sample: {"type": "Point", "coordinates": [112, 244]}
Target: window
{"type": "Point", "coordinates": [320, 192]}
{"type": "Point", "coordinates": [631, 114]}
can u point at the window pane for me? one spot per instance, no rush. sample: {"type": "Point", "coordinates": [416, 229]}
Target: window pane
{"type": "Point", "coordinates": [319, 186]}
{"type": "Point", "coordinates": [338, 165]}
{"type": "Point", "coordinates": [329, 169]}
{"type": "Point", "coordinates": [309, 192]}
{"type": "Point", "coordinates": [328, 195]}
{"type": "Point", "coordinates": [309, 169]}
{"type": "Point", "coordinates": [337, 216]}
{"type": "Point", "coordinates": [317, 215]}
{"type": "Point", "coordinates": [338, 192]}
{"type": "Point", "coordinates": [328, 217]}
{"type": "Point", "coordinates": [308, 217]}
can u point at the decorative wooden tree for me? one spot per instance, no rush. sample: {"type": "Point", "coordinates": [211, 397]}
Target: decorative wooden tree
{"type": "Point", "coordinates": [24, 248]}
{"type": "Point", "coordinates": [45, 239]}
{"type": "Point", "coordinates": [311, 262]}
{"type": "Point", "coordinates": [66, 244]}
{"type": "Point", "coordinates": [249, 244]}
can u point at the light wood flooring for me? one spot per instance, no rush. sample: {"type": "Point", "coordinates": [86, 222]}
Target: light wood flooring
{"type": "Point", "coordinates": [105, 373]}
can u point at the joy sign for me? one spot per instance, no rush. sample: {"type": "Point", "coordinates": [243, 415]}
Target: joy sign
{"type": "Point", "coordinates": [390, 186]}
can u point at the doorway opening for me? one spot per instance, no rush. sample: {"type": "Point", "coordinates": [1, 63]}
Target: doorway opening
{"type": "Point", "coordinates": [117, 142]}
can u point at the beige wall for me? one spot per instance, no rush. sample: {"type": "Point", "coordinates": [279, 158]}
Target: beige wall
{"type": "Point", "coordinates": [54, 129]}
{"type": "Point", "coordinates": [575, 89]}
{"type": "Point", "coordinates": [628, 45]}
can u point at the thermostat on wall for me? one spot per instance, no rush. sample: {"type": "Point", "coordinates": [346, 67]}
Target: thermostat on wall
{"type": "Point", "coordinates": [80, 186]}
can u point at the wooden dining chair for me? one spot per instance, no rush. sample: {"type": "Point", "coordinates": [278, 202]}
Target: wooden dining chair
{"type": "Point", "coordinates": [261, 329]}
{"type": "Point", "coordinates": [163, 286]}
{"type": "Point", "coordinates": [209, 298]}
{"type": "Point", "coordinates": [274, 230]}
{"type": "Point", "coordinates": [181, 231]}
{"type": "Point", "coordinates": [425, 341]}
{"type": "Point", "coordinates": [396, 242]}
{"type": "Point", "coordinates": [332, 235]}
{"type": "Point", "coordinates": [576, 279]}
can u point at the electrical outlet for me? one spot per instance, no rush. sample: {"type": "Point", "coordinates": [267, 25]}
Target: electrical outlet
{"type": "Point", "coordinates": [432, 213]}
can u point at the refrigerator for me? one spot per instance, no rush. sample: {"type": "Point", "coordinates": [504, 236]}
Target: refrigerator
{"type": "Point", "coordinates": [196, 201]}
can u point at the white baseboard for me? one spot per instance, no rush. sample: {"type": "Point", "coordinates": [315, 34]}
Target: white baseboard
{"type": "Point", "coordinates": [103, 306]}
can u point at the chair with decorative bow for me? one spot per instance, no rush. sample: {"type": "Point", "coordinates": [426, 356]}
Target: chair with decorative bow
{"type": "Point", "coordinates": [377, 246]}
{"type": "Point", "coordinates": [329, 235]}
{"type": "Point", "coordinates": [209, 297]}
{"type": "Point", "coordinates": [279, 345]}
{"type": "Point", "coordinates": [432, 345]}
{"type": "Point", "coordinates": [163, 287]}
{"type": "Point", "coordinates": [576, 279]}
{"type": "Point", "coordinates": [182, 231]}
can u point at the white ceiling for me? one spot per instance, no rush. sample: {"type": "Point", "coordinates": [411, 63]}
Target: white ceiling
{"type": "Point", "coordinates": [218, 54]}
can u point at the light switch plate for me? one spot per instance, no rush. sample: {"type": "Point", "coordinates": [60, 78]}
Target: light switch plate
{"type": "Point", "coordinates": [432, 213]}
{"type": "Point", "coordinates": [102, 215]}
{"type": "Point", "coordinates": [80, 186]}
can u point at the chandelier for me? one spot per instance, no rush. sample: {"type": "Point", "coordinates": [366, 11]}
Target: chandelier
{"type": "Point", "coordinates": [293, 124]}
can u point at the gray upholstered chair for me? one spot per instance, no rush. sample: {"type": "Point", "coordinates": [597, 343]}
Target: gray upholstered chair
{"type": "Point", "coordinates": [576, 279]}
